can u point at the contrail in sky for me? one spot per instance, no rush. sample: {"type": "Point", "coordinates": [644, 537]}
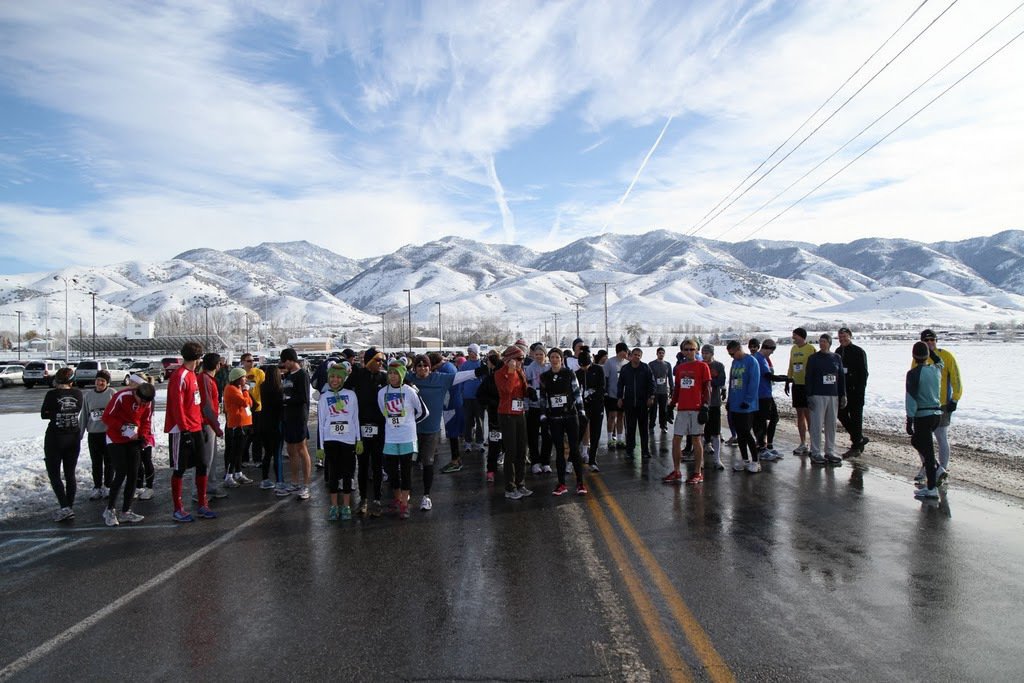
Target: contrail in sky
{"type": "Point", "coordinates": [636, 177]}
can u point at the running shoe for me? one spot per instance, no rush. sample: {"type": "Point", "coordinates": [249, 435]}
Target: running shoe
{"type": "Point", "coordinates": [801, 450]}
{"type": "Point", "coordinates": [363, 507]}
{"type": "Point", "coordinates": [242, 479]}
{"type": "Point", "coordinates": [581, 489]}
{"type": "Point", "coordinates": [104, 491]}
{"type": "Point", "coordinates": [817, 459]}
{"type": "Point", "coordinates": [229, 482]}
{"type": "Point", "coordinates": [501, 459]}
{"type": "Point", "coordinates": [833, 460]}
{"type": "Point", "coordinates": [513, 494]}
{"type": "Point", "coordinates": [753, 467]}
{"type": "Point", "coordinates": [332, 514]}
{"type": "Point", "coordinates": [732, 441]}
{"type": "Point", "coordinates": [673, 477]}
{"type": "Point", "coordinates": [129, 517]}
{"type": "Point", "coordinates": [536, 469]}
{"type": "Point", "coordinates": [205, 512]}
{"type": "Point", "coordinates": [63, 514]}
{"type": "Point", "coordinates": [376, 509]}
{"type": "Point", "coordinates": [266, 485]}
{"type": "Point", "coordinates": [426, 504]}
{"type": "Point", "coordinates": [304, 493]}
{"type": "Point", "coordinates": [560, 490]}
{"type": "Point", "coordinates": [738, 465]}
{"type": "Point", "coordinates": [695, 478]}
{"type": "Point", "coordinates": [346, 513]}
{"type": "Point", "coordinates": [453, 466]}
{"type": "Point", "coordinates": [182, 516]}
{"type": "Point", "coordinates": [294, 488]}
{"type": "Point", "coordinates": [545, 469]}
{"type": "Point", "coordinates": [96, 494]}
{"type": "Point", "coordinates": [403, 511]}
{"type": "Point", "coordinates": [941, 475]}
{"type": "Point", "coordinates": [920, 477]}
{"type": "Point", "coordinates": [594, 467]}
{"type": "Point", "coordinates": [525, 492]}
{"type": "Point", "coordinates": [280, 490]}
{"type": "Point", "coordinates": [569, 468]}
{"type": "Point", "coordinates": [110, 517]}
{"type": "Point", "coordinates": [490, 477]}
{"type": "Point", "coordinates": [147, 494]}
{"type": "Point", "coordinates": [926, 492]}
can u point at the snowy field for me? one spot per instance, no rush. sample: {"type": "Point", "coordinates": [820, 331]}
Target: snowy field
{"type": "Point", "coordinates": [990, 416]}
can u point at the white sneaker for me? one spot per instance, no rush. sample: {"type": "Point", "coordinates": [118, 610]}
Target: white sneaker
{"type": "Point", "coordinates": [568, 468]}
{"type": "Point", "coordinates": [738, 465]}
{"type": "Point", "coordinates": [524, 492]}
{"type": "Point", "coordinates": [63, 514]}
{"type": "Point", "coordinates": [146, 494]}
{"type": "Point", "coordinates": [104, 492]}
{"type": "Point", "coordinates": [242, 479]}
{"type": "Point", "coordinates": [136, 493]}
{"type": "Point", "coordinates": [753, 467]}
{"type": "Point", "coordinates": [129, 517]}
{"type": "Point", "coordinates": [304, 493]}
{"type": "Point", "coordinates": [266, 484]}
{"type": "Point", "coordinates": [536, 469]}
{"type": "Point", "coordinates": [921, 476]}
{"type": "Point", "coordinates": [513, 494]}
{"type": "Point", "coordinates": [926, 493]}
{"type": "Point", "coordinates": [425, 503]}
{"type": "Point", "coordinates": [109, 517]}
{"type": "Point", "coordinates": [96, 494]}
{"type": "Point", "coordinates": [229, 482]}
{"type": "Point", "coordinates": [546, 469]}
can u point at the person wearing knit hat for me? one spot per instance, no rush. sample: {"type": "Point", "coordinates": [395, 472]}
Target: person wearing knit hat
{"type": "Point", "coordinates": [950, 391]}
{"type": "Point", "coordinates": [512, 387]}
{"type": "Point", "coordinates": [472, 409]}
{"type": "Point", "coordinates": [372, 354]}
{"type": "Point", "coordinates": [338, 434]}
{"type": "Point", "coordinates": [401, 407]}
{"type": "Point", "coordinates": [924, 411]}
{"type": "Point", "coordinates": [366, 381]}
{"type": "Point", "coordinates": [238, 409]}
{"type": "Point", "coordinates": [825, 384]}
{"type": "Point", "coordinates": [514, 352]}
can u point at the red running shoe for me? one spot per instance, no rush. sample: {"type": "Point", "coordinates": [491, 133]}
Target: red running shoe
{"type": "Point", "coordinates": [560, 490]}
{"type": "Point", "coordinates": [695, 478]}
{"type": "Point", "coordinates": [581, 490]}
{"type": "Point", "coordinates": [673, 477]}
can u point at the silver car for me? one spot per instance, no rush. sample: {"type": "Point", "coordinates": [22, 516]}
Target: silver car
{"type": "Point", "coordinates": [11, 375]}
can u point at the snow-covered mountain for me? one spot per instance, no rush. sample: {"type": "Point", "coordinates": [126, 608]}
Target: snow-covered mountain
{"type": "Point", "coordinates": [658, 278]}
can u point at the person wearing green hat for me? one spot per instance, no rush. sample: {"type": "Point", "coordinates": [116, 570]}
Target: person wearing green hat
{"type": "Point", "coordinates": [238, 408]}
{"type": "Point", "coordinates": [402, 408]}
{"type": "Point", "coordinates": [338, 435]}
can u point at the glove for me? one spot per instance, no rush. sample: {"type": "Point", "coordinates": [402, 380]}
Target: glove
{"type": "Point", "coordinates": [543, 417]}
{"type": "Point", "coordinates": [581, 415]}
{"type": "Point", "coordinates": [320, 455]}
{"type": "Point", "coordinates": [786, 388]}
{"type": "Point", "coordinates": [744, 406]}
{"type": "Point", "coordinates": [842, 402]}
{"type": "Point", "coordinates": [702, 415]}
{"type": "Point", "coordinates": [359, 447]}
{"type": "Point", "coordinates": [951, 407]}
{"type": "Point", "coordinates": [910, 426]}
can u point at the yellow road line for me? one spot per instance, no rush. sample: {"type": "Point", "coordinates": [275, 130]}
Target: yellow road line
{"type": "Point", "coordinates": [716, 667]}
{"type": "Point", "coordinates": [676, 669]}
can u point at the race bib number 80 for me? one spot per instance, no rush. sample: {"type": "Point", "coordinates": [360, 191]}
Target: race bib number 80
{"type": "Point", "coordinates": [829, 379]}
{"type": "Point", "coordinates": [339, 428]}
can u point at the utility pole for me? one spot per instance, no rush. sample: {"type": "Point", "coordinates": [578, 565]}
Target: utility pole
{"type": "Point", "coordinates": [577, 305]}
{"type": "Point", "coordinates": [409, 292]}
{"type": "Point", "coordinates": [556, 340]}
{"type": "Point", "coordinates": [440, 338]}
{"type": "Point", "coordinates": [607, 339]}
{"type": "Point", "coordinates": [383, 325]}
{"type": "Point", "coordinates": [545, 337]}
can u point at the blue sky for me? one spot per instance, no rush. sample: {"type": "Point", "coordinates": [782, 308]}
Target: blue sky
{"type": "Point", "coordinates": [135, 131]}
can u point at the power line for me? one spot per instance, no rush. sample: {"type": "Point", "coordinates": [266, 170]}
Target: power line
{"type": "Point", "coordinates": [886, 136]}
{"type": "Point", "coordinates": [870, 125]}
{"type": "Point", "coordinates": [830, 116]}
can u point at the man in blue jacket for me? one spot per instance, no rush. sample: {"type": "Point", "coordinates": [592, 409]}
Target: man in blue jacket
{"type": "Point", "coordinates": [635, 391]}
{"type": "Point", "coordinates": [826, 394]}
{"type": "Point", "coordinates": [744, 382]}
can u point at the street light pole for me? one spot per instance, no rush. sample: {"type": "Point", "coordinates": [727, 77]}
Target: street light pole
{"type": "Point", "coordinates": [556, 340]}
{"type": "Point", "coordinates": [409, 292]}
{"type": "Point", "coordinates": [67, 287]}
{"type": "Point", "coordinates": [577, 305]}
{"type": "Point", "coordinates": [246, 332]}
{"type": "Point", "coordinates": [93, 294]}
{"type": "Point", "coordinates": [607, 339]}
{"type": "Point", "coordinates": [19, 334]}
{"type": "Point", "coordinates": [383, 325]}
{"type": "Point", "coordinates": [440, 337]}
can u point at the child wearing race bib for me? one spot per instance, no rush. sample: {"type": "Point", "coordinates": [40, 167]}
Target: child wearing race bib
{"type": "Point", "coordinates": [338, 433]}
{"type": "Point", "coordinates": [93, 405]}
{"type": "Point", "coordinates": [238, 406]}
{"type": "Point", "coordinates": [401, 407]}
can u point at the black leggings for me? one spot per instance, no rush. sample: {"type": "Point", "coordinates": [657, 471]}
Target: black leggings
{"type": "Point", "coordinates": [60, 452]}
{"type": "Point", "coordinates": [126, 457]}
{"type": "Point", "coordinates": [102, 470]}
{"type": "Point", "coordinates": [566, 428]}
{"type": "Point", "coordinates": [339, 464]}
{"type": "Point", "coordinates": [270, 440]}
{"type": "Point", "coordinates": [399, 468]}
{"type": "Point", "coordinates": [765, 423]}
{"type": "Point", "coordinates": [370, 464]}
{"type": "Point", "coordinates": [743, 423]}
{"type": "Point", "coordinates": [537, 431]}
{"type": "Point", "coordinates": [595, 417]}
{"type": "Point", "coordinates": [923, 443]}
{"type": "Point", "coordinates": [235, 442]}
{"type": "Point", "coordinates": [146, 470]}
{"type": "Point", "coordinates": [659, 412]}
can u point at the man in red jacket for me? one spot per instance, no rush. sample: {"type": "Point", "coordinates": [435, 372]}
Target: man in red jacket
{"type": "Point", "coordinates": [183, 425]}
{"type": "Point", "coordinates": [128, 418]}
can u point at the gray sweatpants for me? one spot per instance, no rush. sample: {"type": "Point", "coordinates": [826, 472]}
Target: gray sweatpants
{"type": "Point", "coordinates": [824, 410]}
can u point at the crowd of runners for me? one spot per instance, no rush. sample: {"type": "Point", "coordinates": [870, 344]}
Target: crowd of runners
{"type": "Point", "coordinates": [379, 416]}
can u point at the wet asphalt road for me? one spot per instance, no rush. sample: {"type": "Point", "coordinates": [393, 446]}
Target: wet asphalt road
{"type": "Point", "coordinates": [796, 573]}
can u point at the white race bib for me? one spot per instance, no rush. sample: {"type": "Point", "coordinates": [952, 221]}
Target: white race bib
{"type": "Point", "coordinates": [736, 383]}
{"type": "Point", "coordinates": [396, 422]}
{"type": "Point", "coordinates": [196, 398]}
{"type": "Point", "coordinates": [798, 367]}
{"type": "Point", "coordinates": [558, 401]}
{"type": "Point", "coordinates": [828, 379]}
{"type": "Point", "coordinates": [686, 382]}
{"type": "Point", "coordinates": [369, 431]}
{"type": "Point", "coordinates": [248, 411]}
{"type": "Point", "coordinates": [662, 380]}
{"type": "Point", "coordinates": [845, 370]}
{"type": "Point", "coordinates": [129, 431]}
{"type": "Point", "coordinates": [339, 428]}
{"type": "Point", "coordinates": [494, 436]}
{"type": "Point", "coordinates": [517, 405]}
{"type": "Point", "coordinates": [96, 414]}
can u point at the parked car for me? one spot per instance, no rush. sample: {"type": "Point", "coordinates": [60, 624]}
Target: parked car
{"type": "Point", "coordinates": [148, 368]}
{"type": "Point", "coordinates": [85, 373]}
{"type": "Point", "coordinates": [41, 372]}
{"type": "Point", "coordinates": [10, 375]}
{"type": "Point", "coordinates": [171, 363]}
